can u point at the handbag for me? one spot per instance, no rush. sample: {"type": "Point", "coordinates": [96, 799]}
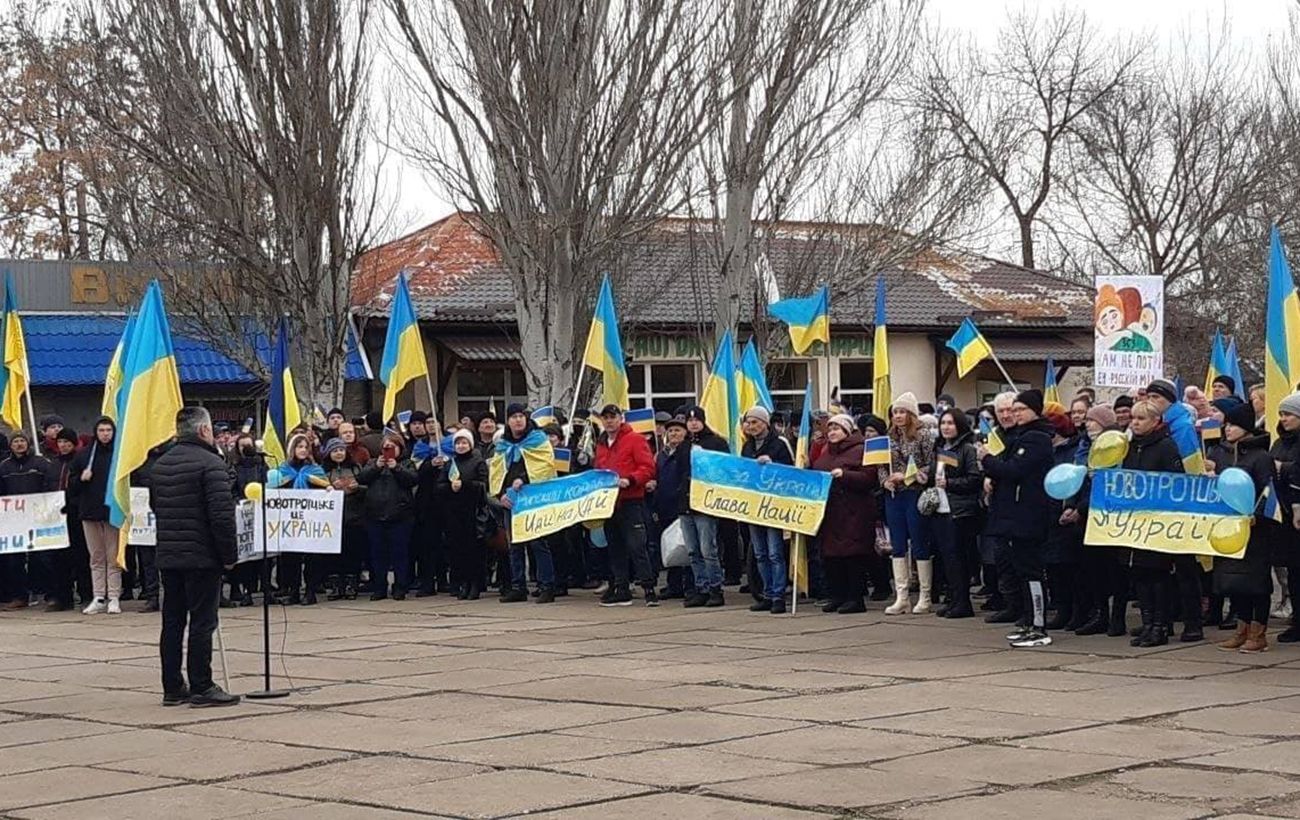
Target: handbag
{"type": "Point", "coordinates": [672, 546]}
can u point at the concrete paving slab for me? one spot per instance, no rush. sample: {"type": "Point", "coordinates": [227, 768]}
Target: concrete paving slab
{"type": "Point", "coordinates": [1021, 803]}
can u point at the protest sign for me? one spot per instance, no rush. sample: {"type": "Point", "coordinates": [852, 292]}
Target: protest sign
{"type": "Point", "coordinates": [144, 531]}
{"type": "Point", "coordinates": [1128, 331]}
{"type": "Point", "coordinates": [1165, 512]}
{"type": "Point", "coordinates": [248, 544]}
{"type": "Point", "coordinates": [541, 509]}
{"type": "Point", "coordinates": [770, 495]}
{"type": "Point", "coordinates": [30, 523]}
{"type": "Point", "coordinates": [307, 521]}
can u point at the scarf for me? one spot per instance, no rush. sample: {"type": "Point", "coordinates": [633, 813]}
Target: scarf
{"type": "Point", "coordinates": [533, 449]}
{"type": "Point", "coordinates": [298, 478]}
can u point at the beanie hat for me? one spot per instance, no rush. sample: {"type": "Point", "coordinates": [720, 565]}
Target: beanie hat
{"type": "Point", "coordinates": [845, 421]}
{"type": "Point", "coordinates": [335, 412]}
{"type": "Point", "coordinates": [418, 415]}
{"type": "Point", "coordinates": [759, 412]}
{"type": "Point", "coordinates": [46, 421]}
{"type": "Point", "coordinates": [1102, 414]}
{"type": "Point", "coordinates": [1226, 381]}
{"type": "Point", "coordinates": [696, 413]}
{"type": "Point", "coordinates": [465, 434]}
{"type": "Point", "coordinates": [1050, 407]}
{"type": "Point", "coordinates": [374, 420]}
{"type": "Point", "coordinates": [870, 421]}
{"type": "Point", "coordinates": [1165, 389]}
{"type": "Point", "coordinates": [1291, 404]}
{"type": "Point", "coordinates": [907, 402]}
{"type": "Point", "coordinates": [1226, 404]}
{"type": "Point", "coordinates": [1123, 402]}
{"type": "Point", "coordinates": [554, 430]}
{"type": "Point", "coordinates": [1243, 416]}
{"type": "Point", "coordinates": [1033, 399]}
{"type": "Point", "coordinates": [19, 434]}
{"type": "Point", "coordinates": [335, 444]}
{"type": "Point", "coordinates": [515, 409]}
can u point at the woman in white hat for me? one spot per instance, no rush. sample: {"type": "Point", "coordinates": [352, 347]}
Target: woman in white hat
{"type": "Point", "coordinates": [911, 463]}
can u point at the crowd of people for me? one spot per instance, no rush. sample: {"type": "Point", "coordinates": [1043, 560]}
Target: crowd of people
{"type": "Point", "coordinates": [952, 511]}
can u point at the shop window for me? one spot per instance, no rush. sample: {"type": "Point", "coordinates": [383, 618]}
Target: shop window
{"type": "Point", "coordinates": [787, 382]}
{"type": "Point", "coordinates": [664, 387]}
{"type": "Point", "coordinates": [856, 383]}
{"type": "Point", "coordinates": [480, 387]}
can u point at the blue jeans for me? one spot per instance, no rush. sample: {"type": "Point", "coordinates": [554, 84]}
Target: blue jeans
{"type": "Point", "coordinates": [769, 555]}
{"type": "Point", "coordinates": [541, 556]}
{"type": "Point", "coordinates": [701, 535]}
{"type": "Point", "coordinates": [390, 546]}
{"type": "Point", "coordinates": [906, 524]}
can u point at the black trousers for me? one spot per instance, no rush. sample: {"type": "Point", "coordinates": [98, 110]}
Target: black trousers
{"type": "Point", "coordinates": [70, 567]}
{"type": "Point", "coordinates": [1152, 588]}
{"type": "Point", "coordinates": [428, 556]}
{"type": "Point", "coordinates": [1187, 580]}
{"type": "Point", "coordinates": [148, 573]}
{"type": "Point", "coordinates": [190, 597]}
{"type": "Point", "coordinates": [846, 578]}
{"type": "Point", "coordinates": [956, 541]}
{"type": "Point", "coordinates": [625, 531]}
{"type": "Point", "coordinates": [1252, 608]}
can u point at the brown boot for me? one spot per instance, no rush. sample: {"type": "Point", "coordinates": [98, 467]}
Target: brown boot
{"type": "Point", "coordinates": [1238, 638]}
{"type": "Point", "coordinates": [1255, 639]}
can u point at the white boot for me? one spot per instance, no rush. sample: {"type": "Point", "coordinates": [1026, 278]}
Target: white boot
{"type": "Point", "coordinates": [95, 607]}
{"type": "Point", "coordinates": [114, 606]}
{"type": "Point", "coordinates": [901, 579]}
{"type": "Point", "coordinates": [925, 574]}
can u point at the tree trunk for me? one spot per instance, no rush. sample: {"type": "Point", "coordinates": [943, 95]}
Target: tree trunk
{"type": "Point", "coordinates": [1026, 241]}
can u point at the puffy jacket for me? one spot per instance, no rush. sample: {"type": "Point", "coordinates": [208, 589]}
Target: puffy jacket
{"type": "Point", "coordinates": [848, 529]}
{"type": "Point", "coordinates": [706, 439]}
{"type": "Point", "coordinates": [250, 470]}
{"type": "Point", "coordinates": [388, 491]}
{"type": "Point", "coordinates": [27, 474]}
{"type": "Point", "coordinates": [1154, 452]}
{"type": "Point", "coordinates": [193, 502]}
{"type": "Point", "coordinates": [628, 455]}
{"type": "Point", "coordinates": [773, 446]}
{"type": "Point", "coordinates": [965, 482]}
{"type": "Point", "coordinates": [91, 494]}
{"type": "Point", "coordinates": [1019, 507]}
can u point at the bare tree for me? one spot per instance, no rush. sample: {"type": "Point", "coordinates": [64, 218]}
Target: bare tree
{"type": "Point", "coordinates": [1011, 113]}
{"type": "Point", "coordinates": [567, 128]}
{"type": "Point", "coordinates": [243, 125]}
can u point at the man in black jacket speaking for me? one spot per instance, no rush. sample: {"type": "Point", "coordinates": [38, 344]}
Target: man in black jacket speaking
{"type": "Point", "coordinates": [194, 507]}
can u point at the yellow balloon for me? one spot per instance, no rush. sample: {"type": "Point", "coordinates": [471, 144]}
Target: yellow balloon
{"type": "Point", "coordinates": [1108, 450]}
{"type": "Point", "coordinates": [253, 491]}
{"type": "Point", "coordinates": [1228, 536]}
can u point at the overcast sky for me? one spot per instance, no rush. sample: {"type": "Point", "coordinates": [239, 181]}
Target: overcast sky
{"type": "Point", "coordinates": [1251, 23]}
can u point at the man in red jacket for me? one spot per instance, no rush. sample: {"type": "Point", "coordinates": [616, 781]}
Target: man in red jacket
{"type": "Point", "coordinates": [621, 450]}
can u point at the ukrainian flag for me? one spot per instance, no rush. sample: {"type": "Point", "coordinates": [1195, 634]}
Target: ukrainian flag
{"type": "Point", "coordinates": [1234, 370]}
{"type": "Point", "coordinates": [719, 399]}
{"type": "Point", "coordinates": [1211, 430]}
{"type": "Point", "coordinates": [1182, 429]}
{"type": "Point", "coordinates": [875, 452]}
{"type": "Point", "coordinates": [113, 379]}
{"type": "Point", "coordinates": [1218, 362]}
{"type": "Point", "coordinates": [801, 454]}
{"type": "Point", "coordinates": [882, 393]}
{"type": "Point", "coordinates": [1051, 393]}
{"type": "Point", "coordinates": [543, 416]}
{"type": "Point", "coordinates": [1282, 332]}
{"type": "Point", "coordinates": [403, 360]}
{"type": "Point", "coordinates": [147, 404]}
{"type": "Point", "coordinates": [992, 437]}
{"type": "Point", "coordinates": [751, 383]}
{"type": "Point", "coordinates": [970, 346]}
{"type": "Point", "coordinates": [282, 411]}
{"type": "Point", "coordinates": [1272, 509]}
{"type": "Point", "coordinates": [642, 420]}
{"type": "Point", "coordinates": [605, 350]}
{"type": "Point", "coordinates": [808, 318]}
{"type": "Point", "coordinates": [15, 374]}
{"type": "Point", "coordinates": [563, 460]}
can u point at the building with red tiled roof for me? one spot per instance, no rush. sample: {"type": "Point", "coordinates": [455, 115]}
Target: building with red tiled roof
{"type": "Point", "coordinates": [665, 286]}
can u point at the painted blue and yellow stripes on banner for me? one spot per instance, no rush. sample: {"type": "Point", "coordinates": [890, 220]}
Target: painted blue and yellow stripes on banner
{"type": "Point", "coordinates": [770, 495]}
{"type": "Point", "coordinates": [1166, 512]}
{"type": "Point", "coordinates": [539, 510]}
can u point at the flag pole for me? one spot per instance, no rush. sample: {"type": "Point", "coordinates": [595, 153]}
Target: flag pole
{"type": "Point", "coordinates": [577, 393]}
{"type": "Point", "coordinates": [1010, 382]}
{"type": "Point", "coordinates": [31, 414]}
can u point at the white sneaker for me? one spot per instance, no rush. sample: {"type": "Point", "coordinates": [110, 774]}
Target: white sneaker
{"type": "Point", "coordinates": [1032, 639]}
{"type": "Point", "coordinates": [95, 607]}
{"type": "Point", "coordinates": [602, 589]}
{"type": "Point", "coordinates": [114, 607]}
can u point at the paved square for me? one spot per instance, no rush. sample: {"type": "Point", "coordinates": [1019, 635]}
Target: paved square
{"type": "Point", "coordinates": [435, 707]}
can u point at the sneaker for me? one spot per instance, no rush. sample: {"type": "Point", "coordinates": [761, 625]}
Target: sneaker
{"type": "Point", "coordinates": [607, 596]}
{"type": "Point", "coordinates": [96, 607]}
{"type": "Point", "coordinates": [150, 606]}
{"type": "Point", "coordinates": [621, 597]}
{"type": "Point", "coordinates": [603, 588]}
{"type": "Point", "coordinates": [715, 598]}
{"type": "Point", "coordinates": [1036, 637]}
{"type": "Point", "coordinates": [651, 599]}
{"type": "Point", "coordinates": [778, 606]}
{"type": "Point", "coordinates": [58, 606]}
{"type": "Point", "coordinates": [1021, 632]}
{"type": "Point", "coordinates": [696, 599]}
{"type": "Point", "coordinates": [114, 607]}
{"type": "Point", "coordinates": [546, 596]}
{"type": "Point", "coordinates": [176, 698]}
{"type": "Point", "coordinates": [215, 696]}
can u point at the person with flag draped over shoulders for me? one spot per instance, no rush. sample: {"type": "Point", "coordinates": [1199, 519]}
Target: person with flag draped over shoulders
{"type": "Point", "coordinates": [89, 485]}
{"type": "Point", "coordinates": [765, 446]}
{"type": "Point", "coordinates": [299, 471]}
{"type": "Point", "coordinates": [459, 488]}
{"type": "Point", "coordinates": [698, 530]}
{"type": "Point", "coordinates": [428, 560]}
{"type": "Point", "coordinates": [847, 536]}
{"type": "Point", "coordinates": [1023, 513]}
{"type": "Point", "coordinates": [623, 451]}
{"type": "Point", "coordinates": [344, 475]}
{"type": "Point", "coordinates": [389, 480]}
{"type": "Point", "coordinates": [910, 468]}
{"type": "Point", "coordinates": [957, 474]}
{"type": "Point", "coordinates": [523, 455]}
{"type": "Point", "coordinates": [1248, 580]}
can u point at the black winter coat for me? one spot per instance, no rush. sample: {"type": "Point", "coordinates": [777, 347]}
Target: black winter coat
{"type": "Point", "coordinates": [90, 495]}
{"type": "Point", "coordinates": [773, 446]}
{"type": "Point", "coordinates": [193, 503]}
{"type": "Point", "coordinates": [459, 510]}
{"type": "Point", "coordinates": [1064, 541]}
{"type": "Point", "coordinates": [1249, 575]}
{"type": "Point", "coordinates": [251, 470]}
{"type": "Point", "coordinates": [1019, 507]}
{"type": "Point", "coordinates": [965, 482]}
{"type": "Point", "coordinates": [1155, 452]}
{"type": "Point", "coordinates": [28, 474]}
{"type": "Point", "coordinates": [354, 501]}
{"type": "Point", "coordinates": [388, 491]}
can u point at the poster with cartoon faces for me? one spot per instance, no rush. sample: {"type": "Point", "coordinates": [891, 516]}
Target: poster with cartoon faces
{"type": "Point", "coordinates": [1128, 324]}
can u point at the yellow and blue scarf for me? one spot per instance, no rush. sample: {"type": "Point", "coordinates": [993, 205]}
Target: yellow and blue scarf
{"type": "Point", "coordinates": [535, 451]}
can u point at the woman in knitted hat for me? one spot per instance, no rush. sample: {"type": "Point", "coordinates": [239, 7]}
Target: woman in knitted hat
{"type": "Point", "coordinates": [848, 532]}
{"type": "Point", "coordinates": [460, 488]}
{"type": "Point", "coordinates": [344, 475]}
{"type": "Point", "coordinates": [911, 461]}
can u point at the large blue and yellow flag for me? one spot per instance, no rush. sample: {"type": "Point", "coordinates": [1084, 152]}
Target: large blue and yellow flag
{"type": "Point", "coordinates": [534, 450]}
{"type": "Point", "coordinates": [404, 359]}
{"type": "Point", "coordinates": [543, 416]}
{"type": "Point", "coordinates": [802, 452]}
{"type": "Point", "coordinates": [751, 384]}
{"type": "Point", "coordinates": [15, 374]}
{"type": "Point", "coordinates": [1234, 370]}
{"type": "Point", "coordinates": [808, 318]}
{"type": "Point", "coordinates": [719, 399]}
{"type": "Point", "coordinates": [1281, 334]}
{"type": "Point", "coordinates": [147, 404]}
{"type": "Point", "coordinates": [882, 393]}
{"type": "Point", "coordinates": [604, 350]}
{"type": "Point", "coordinates": [970, 346]}
{"type": "Point", "coordinates": [1051, 392]}
{"type": "Point", "coordinates": [282, 410]}
{"type": "Point", "coordinates": [1224, 362]}
{"type": "Point", "coordinates": [113, 379]}
{"type": "Point", "coordinates": [1182, 429]}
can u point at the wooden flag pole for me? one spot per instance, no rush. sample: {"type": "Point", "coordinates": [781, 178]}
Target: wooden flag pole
{"type": "Point", "coordinates": [1010, 382]}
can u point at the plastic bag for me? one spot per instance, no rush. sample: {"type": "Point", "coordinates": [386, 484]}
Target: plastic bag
{"type": "Point", "coordinates": [672, 546]}
{"type": "Point", "coordinates": [883, 546]}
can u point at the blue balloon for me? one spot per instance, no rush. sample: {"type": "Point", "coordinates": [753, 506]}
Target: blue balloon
{"type": "Point", "coordinates": [1064, 480]}
{"type": "Point", "coordinates": [1237, 489]}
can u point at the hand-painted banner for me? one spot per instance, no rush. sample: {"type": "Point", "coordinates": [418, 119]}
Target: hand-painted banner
{"type": "Point", "coordinates": [770, 495]}
{"type": "Point", "coordinates": [1165, 512]}
{"type": "Point", "coordinates": [144, 531]}
{"type": "Point", "coordinates": [538, 510]}
{"type": "Point", "coordinates": [248, 535]}
{"type": "Point", "coordinates": [305, 521]}
{"type": "Point", "coordinates": [29, 523]}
